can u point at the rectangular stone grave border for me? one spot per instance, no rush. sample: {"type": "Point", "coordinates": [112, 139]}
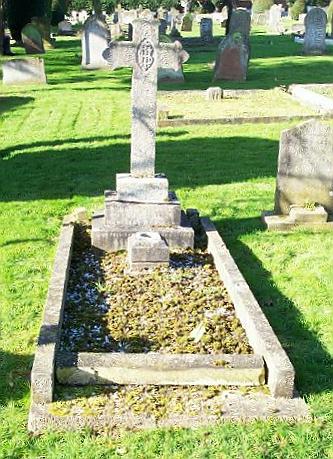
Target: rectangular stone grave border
{"type": "Point", "coordinates": [165, 121]}
{"type": "Point", "coordinates": [306, 95]}
{"type": "Point", "coordinates": [187, 369]}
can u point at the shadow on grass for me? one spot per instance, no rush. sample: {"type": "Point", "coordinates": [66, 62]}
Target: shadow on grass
{"type": "Point", "coordinates": [8, 103]}
{"type": "Point", "coordinates": [313, 364]}
{"type": "Point", "coordinates": [14, 376]}
{"type": "Point", "coordinates": [76, 170]}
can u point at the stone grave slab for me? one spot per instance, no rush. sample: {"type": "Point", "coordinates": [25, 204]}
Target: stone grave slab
{"type": "Point", "coordinates": [24, 71]}
{"type": "Point", "coordinates": [96, 37]}
{"type": "Point", "coordinates": [315, 32]}
{"type": "Point", "coordinates": [304, 184]}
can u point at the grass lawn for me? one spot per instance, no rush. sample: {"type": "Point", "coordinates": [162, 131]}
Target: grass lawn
{"type": "Point", "coordinates": [193, 104]}
{"type": "Point", "coordinates": [61, 146]}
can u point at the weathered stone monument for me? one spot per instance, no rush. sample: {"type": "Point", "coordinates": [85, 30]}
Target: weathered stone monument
{"type": "Point", "coordinates": [315, 32]}
{"type": "Point", "coordinates": [240, 22]}
{"type": "Point", "coordinates": [146, 251]}
{"type": "Point", "coordinates": [214, 93]}
{"type": "Point", "coordinates": [32, 40]}
{"type": "Point", "coordinates": [232, 59]}
{"type": "Point", "coordinates": [304, 184]}
{"type": "Point", "coordinates": [206, 30]}
{"type": "Point", "coordinates": [24, 71]}
{"type": "Point", "coordinates": [96, 38]}
{"type": "Point", "coordinates": [274, 20]}
{"type": "Point", "coordinates": [142, 201]}
{"type": "Point", "coordinates": [44, 27]}
{"type": "Point", "coordinates": [187, 23]}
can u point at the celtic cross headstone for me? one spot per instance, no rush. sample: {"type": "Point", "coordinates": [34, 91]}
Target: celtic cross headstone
{"type": "Point", "coordinates": [145, 55]}
{"type": "Point", "coordinates": [142, 200]}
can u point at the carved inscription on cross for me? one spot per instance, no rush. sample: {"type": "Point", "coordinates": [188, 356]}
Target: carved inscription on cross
{"type": "Point", "coordinates": [145, 55]}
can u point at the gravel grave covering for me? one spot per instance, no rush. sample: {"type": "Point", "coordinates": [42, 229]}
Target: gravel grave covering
{"type": "Point", "coordinates": [183, 308]}
{"type": "Point", "coordinates": [156, 402]}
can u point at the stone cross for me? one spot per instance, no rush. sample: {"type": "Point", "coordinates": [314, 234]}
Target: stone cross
{"type": "Point", "coordinates": [145, 55]}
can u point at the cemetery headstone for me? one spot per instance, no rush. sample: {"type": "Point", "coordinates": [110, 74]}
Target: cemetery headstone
{"type": "Point", "coordinates": [232, 59]}
{"type": "Point", "coordinates": [187, 23]}
{"type": "Point", "coordinates": [214, 93]}
{"type": "Point", "coordinates": [240, 22]}
{"type": "Point", "coordinates": [96, 37]}
{"type": "Point", "coordinates": [65, 28]}
{"type": "Point", "coordinates": [142, 201]}
{"type": "Point", "coordinates": [305, 167]}
{"type": "Point", "coordinates": [206, 30]}
{"type": "Point", "coordinates": [24, 71]}
{"type": "Point", "coordinates": [32, 40]}
{"type": "Point", "coordinates": [274, 21]}
{"type": "Point", "coordinates": [315, 32]}
{"type": "Point", "coordinates": [163, 27]}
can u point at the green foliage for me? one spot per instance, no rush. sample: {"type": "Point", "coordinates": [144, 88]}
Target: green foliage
{"type": "Point", "coordinates": [260, 6]}
{"type": "Point", "coordinates": [109, 5]}
{"type": "Point", "coordinates": [20, 12]}
{"type": "Point", "coordinates": [297, 9]}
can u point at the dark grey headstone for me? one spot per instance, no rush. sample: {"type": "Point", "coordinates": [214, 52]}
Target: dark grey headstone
{"type": "Point", "coordinates": [305, 167]}
{"type": "Point", "coordinates": [206, 30]}
{"type": "Point", "coordinates": [240, 22]}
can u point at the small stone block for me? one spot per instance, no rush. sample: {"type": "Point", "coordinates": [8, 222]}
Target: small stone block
{"type": "Point", "coordinates": [147, 247]}
{"type": "Point", "coordinates": [142, 189]}
{"type": "Point", "coordinates": [214, 93]}
{"type": "Point", "coordinates": [302, 214]}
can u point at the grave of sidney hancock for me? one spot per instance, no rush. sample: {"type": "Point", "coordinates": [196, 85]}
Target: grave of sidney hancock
{"type": "Point", "coordinates": [142, 201]}
{"type": "Point", "coordinates": [143, 217]}
{"type": "Point", "coordinates": [304, 184]}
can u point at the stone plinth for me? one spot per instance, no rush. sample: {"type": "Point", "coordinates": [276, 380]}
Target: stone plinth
{"type": "Point", "coordinates": [114, 239]}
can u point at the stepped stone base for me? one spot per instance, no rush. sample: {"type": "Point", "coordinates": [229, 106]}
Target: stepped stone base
{"type": "Point", "coordinates": [112, 239]}
{"type": "Point", "coordinates": [298, 217]}
{"type": "Point", "coordinates": [139, 215]}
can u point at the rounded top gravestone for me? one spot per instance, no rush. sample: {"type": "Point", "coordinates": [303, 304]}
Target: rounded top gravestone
{"type": "Point", "coordinates": [315, 32]}
{"type": "Point", "coordinates": [96, 37]}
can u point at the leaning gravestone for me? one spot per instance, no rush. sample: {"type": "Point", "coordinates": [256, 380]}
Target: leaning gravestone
{"type": "Point", "coordinates": [206, 30]}
{"type": "Point", "coordinates": [142, 201]}
{"type": "Point", "coordinates": [96, 38]}
{"type": "Point", "coordinates": [304, 184]}
{"type": "Point", "coordinates": [232, 59]}
{"type": "Point", "coordinates": [240, 22]}
{"type": "Point", "coordinates": [32, 40]}
{"type": "Point", "coordinates": [315, 32]}
{"type": "Point", "coordinates": [24, 71]}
